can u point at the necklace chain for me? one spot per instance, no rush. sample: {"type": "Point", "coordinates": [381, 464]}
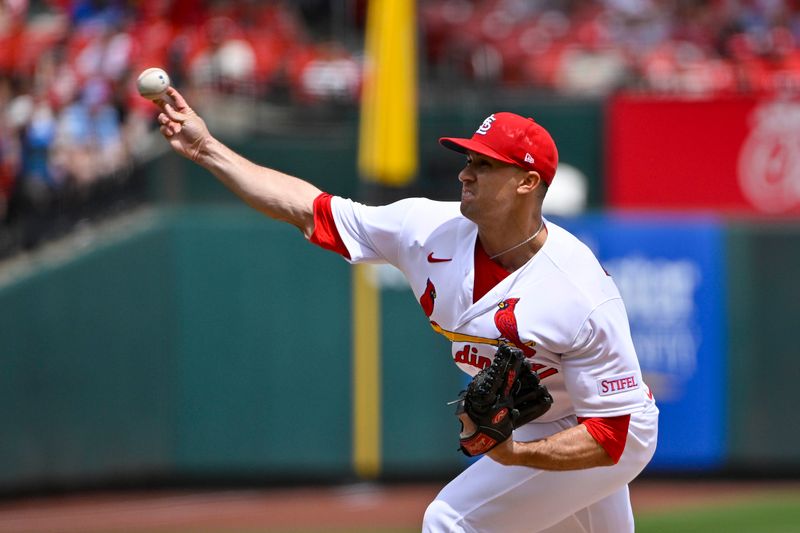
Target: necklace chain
{"type": "Point", "coordinates": [526, 241]}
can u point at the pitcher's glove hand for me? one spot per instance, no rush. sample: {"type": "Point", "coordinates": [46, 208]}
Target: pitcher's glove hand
{"type": "Point", "coordinates": [501, 397]}
{"type": "Point", "coordinates": [531, 399]}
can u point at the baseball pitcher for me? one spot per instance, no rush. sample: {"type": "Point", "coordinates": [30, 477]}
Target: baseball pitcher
{"type": "Point", "coordinates": [557, 408]}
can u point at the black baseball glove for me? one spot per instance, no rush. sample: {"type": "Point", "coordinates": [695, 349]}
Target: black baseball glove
{"type": "Point", "coordinates": [500, 398]}
{"type": "Point", "coordinates": [531, 399]}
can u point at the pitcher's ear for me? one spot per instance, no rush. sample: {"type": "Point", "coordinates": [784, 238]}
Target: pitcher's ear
{"type": "Point", "coordinates": [531, 180]}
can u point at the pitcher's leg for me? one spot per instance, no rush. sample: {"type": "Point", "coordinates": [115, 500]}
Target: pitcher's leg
{"type": "Point", "coordinates": [489, 497]}
{"type": "Point", "coordinates": [612, 514]}
{"type": "Point", "coordinates": [485, 488]}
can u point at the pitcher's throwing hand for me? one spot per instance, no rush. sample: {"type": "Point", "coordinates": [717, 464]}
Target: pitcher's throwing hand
{"type": "Point", "coordinates": [183, 128]}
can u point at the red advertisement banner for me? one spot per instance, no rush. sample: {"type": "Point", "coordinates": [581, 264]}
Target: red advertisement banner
{"type": "Point", "coordinates": [733, 155]}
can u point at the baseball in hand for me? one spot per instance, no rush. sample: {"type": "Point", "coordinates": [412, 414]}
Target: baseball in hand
{"type": "Point", "coordinates": [152, 83]}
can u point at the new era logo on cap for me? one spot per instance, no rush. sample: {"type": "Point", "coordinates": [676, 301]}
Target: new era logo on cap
{"type": "Point", "coordinates": [513, 139]}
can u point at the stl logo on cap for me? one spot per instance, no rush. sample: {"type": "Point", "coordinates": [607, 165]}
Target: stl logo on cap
{"type": "Point", "coordinates": [512, 139]}
{"type": "Point", "coordinates": [486, 125]}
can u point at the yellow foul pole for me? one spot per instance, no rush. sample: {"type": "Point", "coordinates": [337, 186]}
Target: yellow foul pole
{"type": "Point", "coordinates": [388, 128]}
{"type": "Point", "coordinates": [387, 156]}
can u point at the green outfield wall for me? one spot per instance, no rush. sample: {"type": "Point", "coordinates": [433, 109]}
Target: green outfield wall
{"type": "Point", "coordinates": [764, 317]}
{"type": "Point", "coordinates": [419, 429]}
{"type": "Point", "coordinates": [88, 371]}
{"type": "Point", "coordinates": [206, 342]}
{"type": "Point", "coordinates": [263, 350]}
{"type": "Point", "coordinates": [211, 342]}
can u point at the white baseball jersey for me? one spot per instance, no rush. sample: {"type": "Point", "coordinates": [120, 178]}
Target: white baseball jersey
{"type": "Point", "coordinates": [561, 308]}
{"type": "Point", "coordinates": [565, 313]}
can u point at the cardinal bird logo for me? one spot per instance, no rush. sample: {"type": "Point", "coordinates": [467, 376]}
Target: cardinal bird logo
{"type": "Point", "coordinates": [506, 323]}
{"type": "Point", "coordinates": [427, 298]}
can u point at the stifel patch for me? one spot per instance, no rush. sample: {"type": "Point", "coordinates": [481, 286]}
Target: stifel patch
{"type": "Point", "coordinates": [617, 384]}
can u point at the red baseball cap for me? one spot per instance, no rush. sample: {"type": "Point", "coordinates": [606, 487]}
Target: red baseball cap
{"type": "Point", "coordinates": [512, 139]}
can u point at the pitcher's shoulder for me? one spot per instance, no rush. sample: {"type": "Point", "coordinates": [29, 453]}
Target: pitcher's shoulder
{"type": "Point", "coordinates": [427, 214]}
{"type": "Point", "coordinates": [578, 265]}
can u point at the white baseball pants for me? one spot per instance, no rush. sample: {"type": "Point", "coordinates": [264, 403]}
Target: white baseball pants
{"type": "Point", "coordinates": [491, 498]}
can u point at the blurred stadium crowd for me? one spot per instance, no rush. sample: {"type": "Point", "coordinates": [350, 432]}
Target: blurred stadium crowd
{"type": "Point", "coordinates": [691, 47]}
{"type": "Point", "coordinates": [71, 124]}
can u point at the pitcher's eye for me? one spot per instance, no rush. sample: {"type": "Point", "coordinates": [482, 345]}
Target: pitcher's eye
{"type": "Point", "coordinates": [479, 162]}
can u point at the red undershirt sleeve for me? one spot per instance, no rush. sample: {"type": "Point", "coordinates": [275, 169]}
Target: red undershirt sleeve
{"type": "Point", "coordinates": [610, 433]}
{"type": "Point", "coordinates": [326, 235]}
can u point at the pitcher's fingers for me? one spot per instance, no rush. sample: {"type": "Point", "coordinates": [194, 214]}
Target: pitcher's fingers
{"type": "Point", "coordinates": [165, 131]}
{"type": "Point", "coordinates": [180, 103]}
{"type": "Point", "coordinates": [174, 115]}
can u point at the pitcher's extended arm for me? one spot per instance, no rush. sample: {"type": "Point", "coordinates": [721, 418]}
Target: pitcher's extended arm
{"type": "Point", "coordinates": [271, 192]}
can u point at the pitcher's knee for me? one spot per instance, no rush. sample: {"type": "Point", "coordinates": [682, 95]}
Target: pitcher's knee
{"type": "Point", "coordinates": [440, 518]}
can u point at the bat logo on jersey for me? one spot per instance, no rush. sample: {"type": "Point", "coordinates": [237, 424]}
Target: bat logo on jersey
{"type": "Point", "coordinates": [506, 322]}
{"type": "Point", "coordinates": [427, 298]}
{"type": "Point", "coordinates": [454, 336]}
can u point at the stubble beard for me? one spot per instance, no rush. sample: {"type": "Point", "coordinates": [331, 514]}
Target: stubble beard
{"type": "Point", "coordinates": [467, 210]}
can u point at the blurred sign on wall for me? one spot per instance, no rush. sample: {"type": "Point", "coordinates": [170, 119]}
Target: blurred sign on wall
{"type": "Point", "coordinates": [670, 272]}
{"type": "Point", "coordinates": [736, 154]}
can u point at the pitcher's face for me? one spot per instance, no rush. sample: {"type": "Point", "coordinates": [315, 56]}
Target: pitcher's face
{"type": "Point", "coordinates": [488, 187]}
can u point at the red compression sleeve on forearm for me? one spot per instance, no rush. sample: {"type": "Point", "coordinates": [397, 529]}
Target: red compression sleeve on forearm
{"type": "Point", "coordinates": [610, 433]}
{"type": "Point", "coordinates": [326, 235]}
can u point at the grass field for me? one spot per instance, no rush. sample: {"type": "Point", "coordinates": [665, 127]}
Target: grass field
{"type": "Point", "coordinates": [775, 515]}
